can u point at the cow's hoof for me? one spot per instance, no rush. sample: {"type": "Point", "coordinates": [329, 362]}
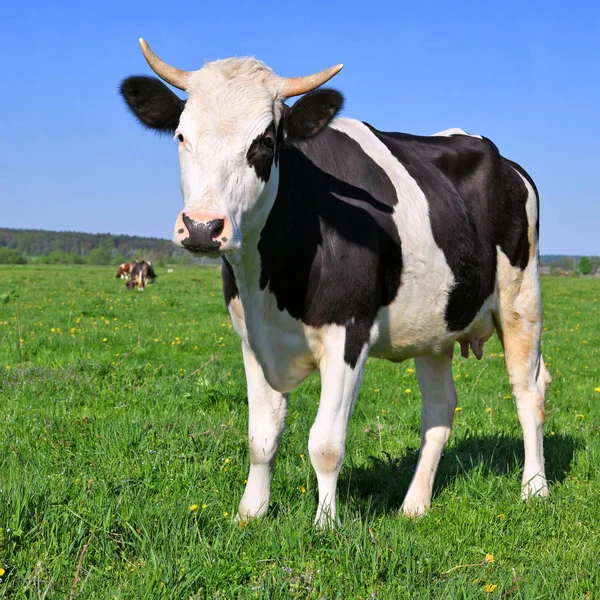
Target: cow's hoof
{"type": "Point", "coordinates": [324, 521]}
{"type": "Point", "coordinates": [415, 510]}
{"type": "Point", "coordinates": [246, 513]}
{"type": "Point", "coordinates": [537, 486]}
{"type": "Point", "coordinates": [241, 520]}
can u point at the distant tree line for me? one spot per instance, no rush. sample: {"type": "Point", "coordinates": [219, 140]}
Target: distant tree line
{"type": "Point", "coordinates": [583, 265]}
{"type": "Point", "coordinates": [37, 242]}
{"type": "Point", "coordinates": [20, 246]}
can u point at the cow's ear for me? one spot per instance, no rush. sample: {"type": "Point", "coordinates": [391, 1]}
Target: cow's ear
{"type": "Point", "coordinates": [312, 113]}
{"type": "Point", "coordinates": [152, 102]}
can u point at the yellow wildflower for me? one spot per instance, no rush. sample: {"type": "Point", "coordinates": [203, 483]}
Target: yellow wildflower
{"type": "Point", "coordinates": [225, 514]}
{"type": "Point", "coordinates": [377, 391]}
{"type": "Point", "coordinates": [500, 516]}
{"type": "Point", "coordinates": [488, 409]}
{"type": "Point", "coordinates": [2, 571]}
{"type": "Point", "coordinates": [489, 587]}
{"type": "Point", "coordinates": [407, 391]}
{"type": "Point", "coordinates": [457, 409]}
{"type": "Point", "coordinates": [597, 390]}
{"type": "Point", "coordinates": [410, 370]}
{"type": "Point", "coordinates": [302, 489]}
{"type": "Point", "coordinates": [193, 507]}
{"type": "Point", "coordinates": [489, 558]}
{"type": "Point", "coordinates": [104, 339]}
{"type": "Point", "coordinates": [204, 506]}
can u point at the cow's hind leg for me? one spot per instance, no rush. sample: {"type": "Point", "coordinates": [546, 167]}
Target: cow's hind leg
{"type": "Point", "coordinates": [267, 410]}
{"type": "Point", "coordinates": [434, 374]}
{"type": "Point", "coordinates": [519, 324]}
{"type": "Point", "coordinates": [340, 383]}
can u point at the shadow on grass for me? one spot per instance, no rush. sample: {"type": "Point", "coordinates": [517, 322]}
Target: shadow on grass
{"type": "Point", "coordinates": [384, 482]}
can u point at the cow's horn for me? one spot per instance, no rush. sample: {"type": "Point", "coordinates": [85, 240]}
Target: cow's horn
{"type": "Point", "coordinates": [294, 86]}
{"type": "Point", "coordinates": [176, 77]}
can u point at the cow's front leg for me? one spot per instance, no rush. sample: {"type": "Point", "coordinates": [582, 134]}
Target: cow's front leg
{"type": "Point", "coordinates": [267, 409]}
{"type": "Point", "coordinates": [340, 383]}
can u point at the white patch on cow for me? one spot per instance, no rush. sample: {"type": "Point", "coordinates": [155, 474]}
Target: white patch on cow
{"type": "Point", "coordinates": [231, 102]}
{"type": "Point", "coordinates": [455, 131]}
{"type": "Point", "coordinates": [414, 323]}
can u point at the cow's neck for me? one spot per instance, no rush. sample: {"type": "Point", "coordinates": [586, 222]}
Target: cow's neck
{"type": "Point", "coordinates": [246, 265]}
{"type": "Point", "coordinates": [280, 246]}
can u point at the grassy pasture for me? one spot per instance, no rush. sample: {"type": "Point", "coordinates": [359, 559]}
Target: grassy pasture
{"type": "Point", "coordinates": [123, 457]}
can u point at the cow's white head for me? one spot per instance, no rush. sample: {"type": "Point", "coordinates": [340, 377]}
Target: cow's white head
{"type": "Point", "coordinates": [229, 132]}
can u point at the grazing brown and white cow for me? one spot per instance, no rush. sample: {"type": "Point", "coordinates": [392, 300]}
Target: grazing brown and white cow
{"type": "Point", "coordinates": [124, 271]}
{"type": "Point", "coordinates": [341, 242]}
{"type": "Point", "coordinates": [141, 272]}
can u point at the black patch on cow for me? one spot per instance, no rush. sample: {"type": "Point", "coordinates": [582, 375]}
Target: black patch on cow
{"type": "Point", "coordinates": [475, 203]}
{"type": "Point", "coordinates": [525, 174]}
{"type": "Point", "coordinates": [152, 102]}
{"type": "Point", "coordinates": [230, 290]}
{"type": "Point", "coordinates": [512, 222]}
{"type": "Point", "coordinates": [262, 151]}
{"type": "Point", "coordinates": [330, 251]}
{"type": "Point", "coordinates": [312, 113]}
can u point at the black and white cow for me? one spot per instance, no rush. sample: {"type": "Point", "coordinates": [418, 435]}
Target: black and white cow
{"type": "Point", "coordinates": [341, 242]}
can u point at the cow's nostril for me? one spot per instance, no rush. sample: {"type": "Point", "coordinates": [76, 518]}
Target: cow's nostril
{"type": "Point", "coordinates": [218, 228]}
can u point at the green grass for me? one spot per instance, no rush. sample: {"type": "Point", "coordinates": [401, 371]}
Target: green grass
{"type": "Point", "coordinates": [120, 410]}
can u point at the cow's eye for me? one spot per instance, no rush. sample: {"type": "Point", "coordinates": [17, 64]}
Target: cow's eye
{"type": "Point", "coordinates": [180, 137]}
{"type": "Point", "coordinates": [268, 142]}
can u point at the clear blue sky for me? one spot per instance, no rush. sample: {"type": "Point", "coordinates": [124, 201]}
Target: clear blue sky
{"type": "Point", "coordinates": [525, 74]}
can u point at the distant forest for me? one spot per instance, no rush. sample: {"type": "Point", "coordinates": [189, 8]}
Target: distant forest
{"type": "Point", "coordinates": [71, 247]}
